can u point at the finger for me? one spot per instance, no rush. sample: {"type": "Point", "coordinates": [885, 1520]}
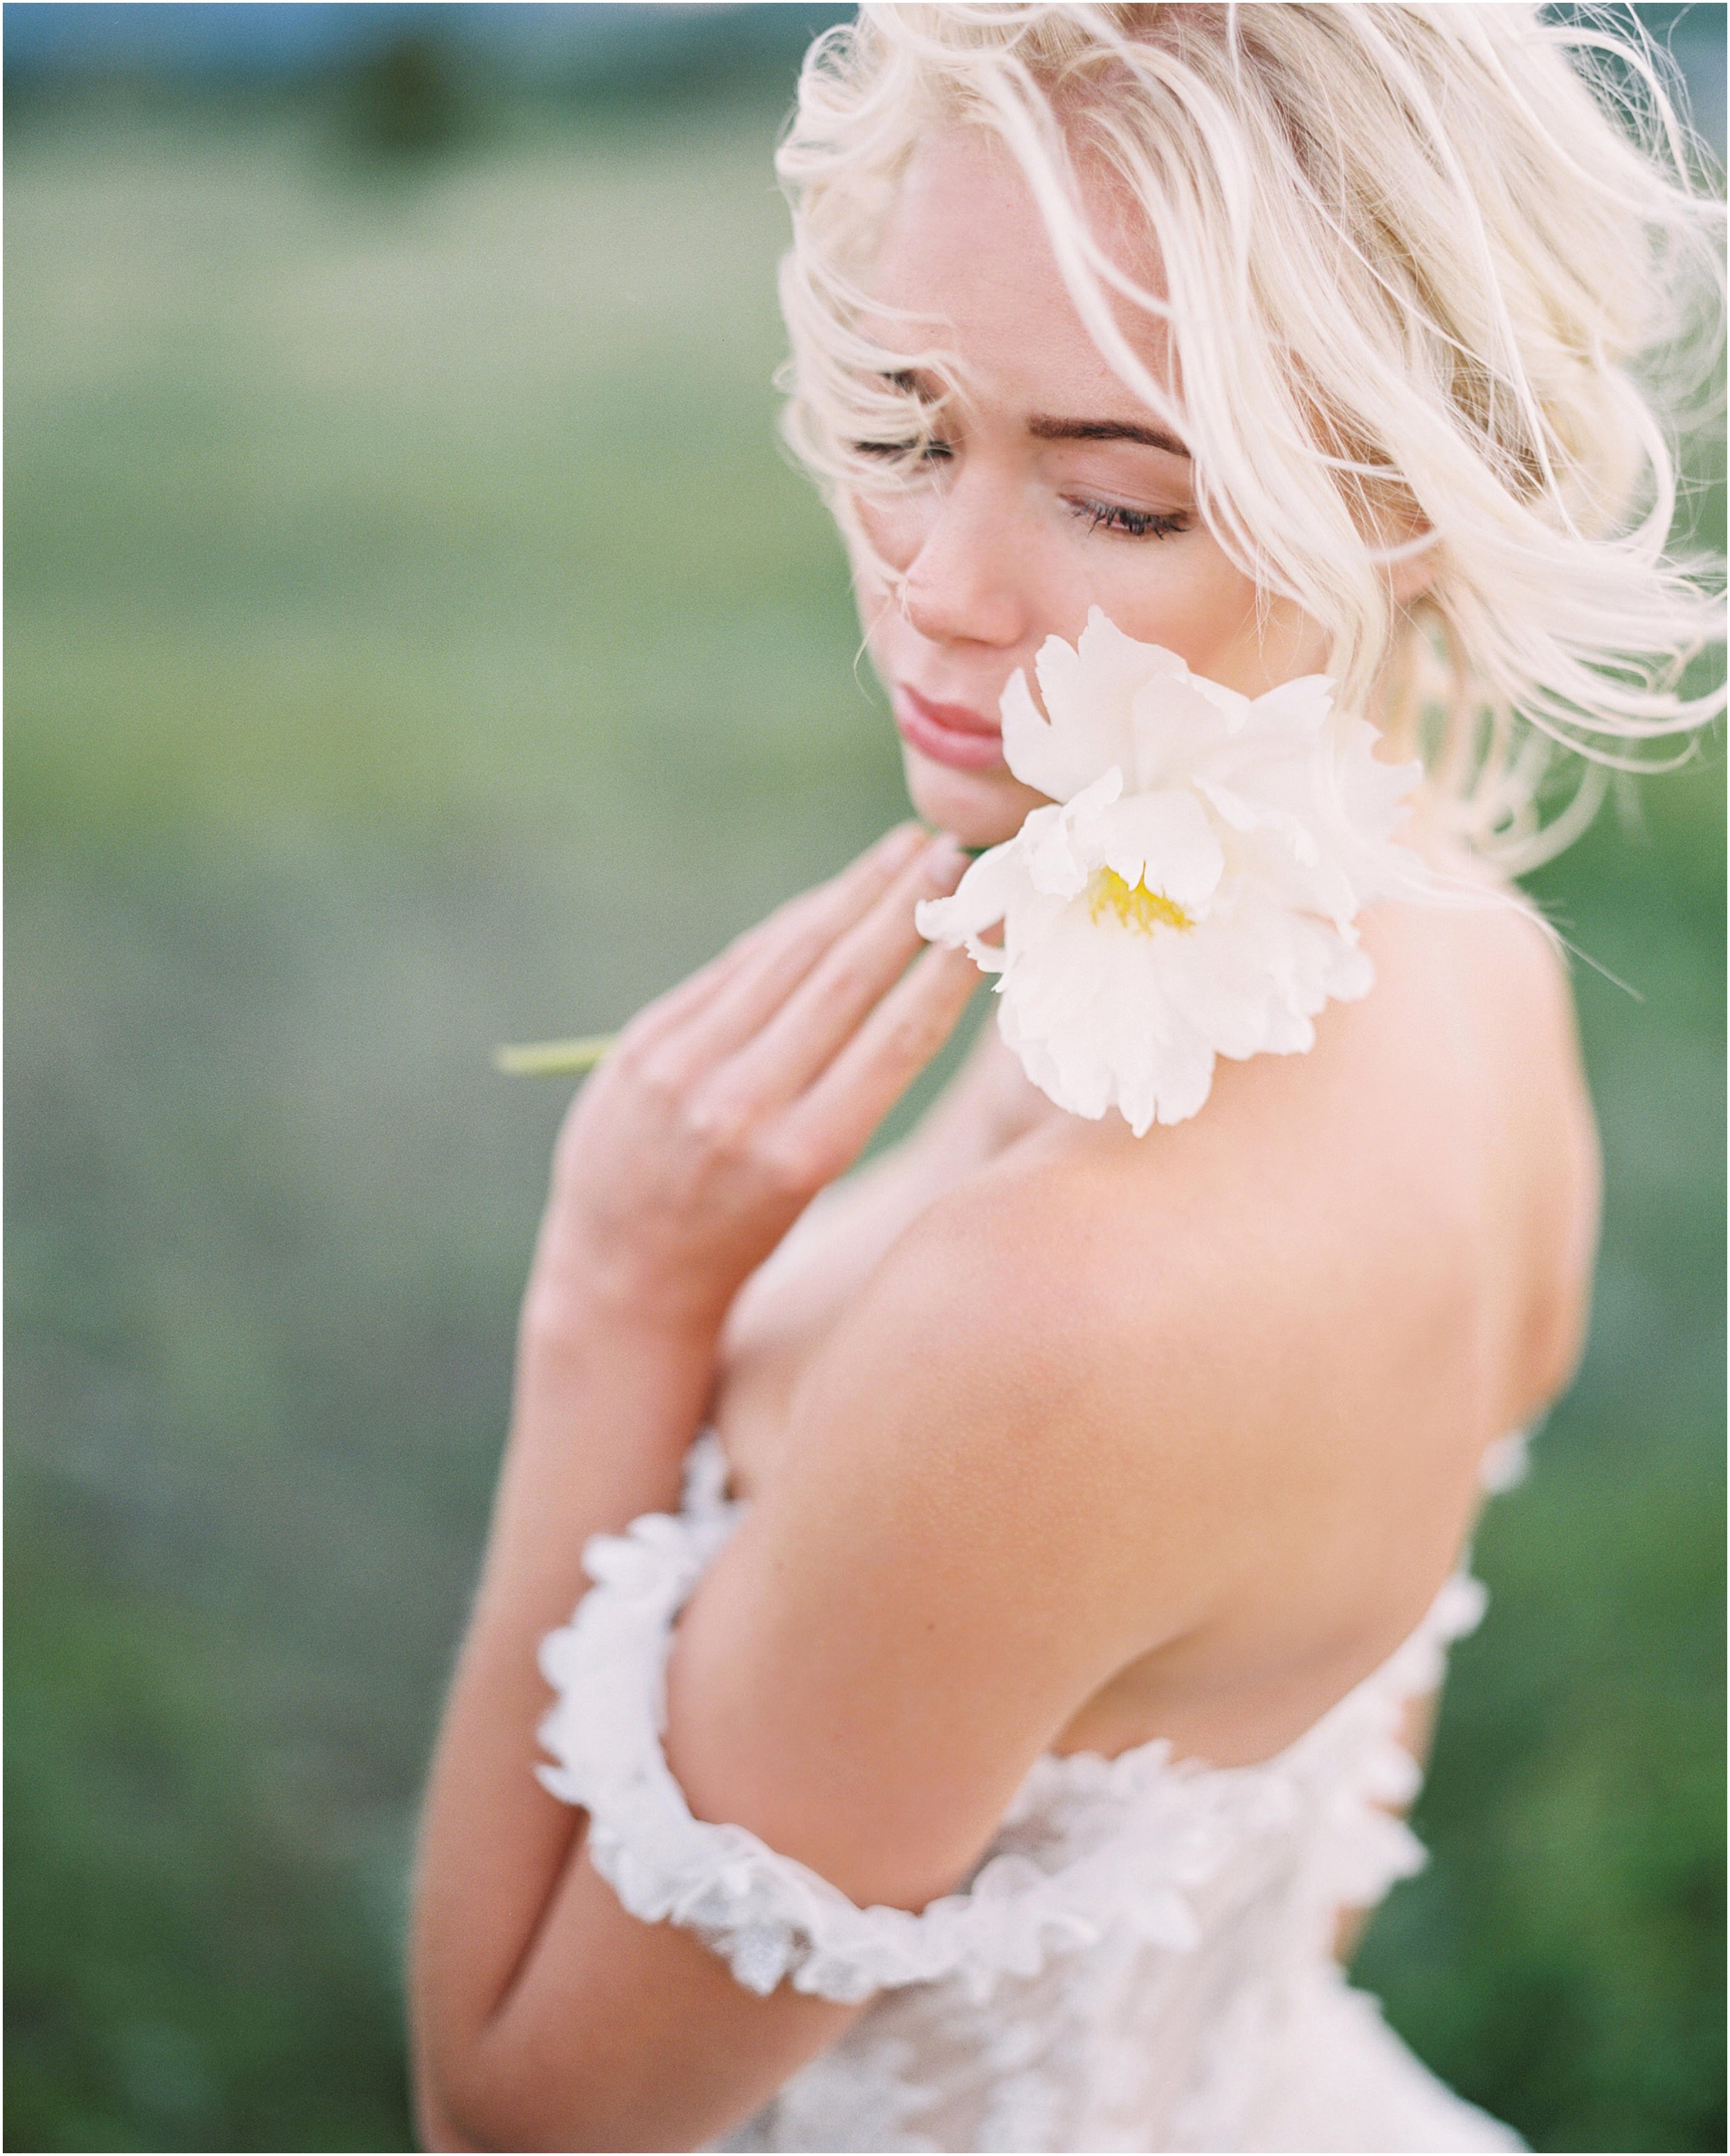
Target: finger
{"type": "Point", "coordinates": [832, 1002]}
{"type": "Point", "coordinates": [761, 986]}
{"type": "Point", "coordinates": [755, 946]}
{"type": "Point", "coordinates": [670, 1011]}
{"type": "Point", "coordinates": [828, 1125]}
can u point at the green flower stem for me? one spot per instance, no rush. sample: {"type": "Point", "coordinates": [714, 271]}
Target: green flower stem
{"type": "Point", "coordinates": [574, 1059]}
{"type": "Point", "coordinates": [553, 1059]}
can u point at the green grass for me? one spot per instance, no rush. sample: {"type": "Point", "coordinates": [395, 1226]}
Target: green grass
{"type": "Point", "coordinates": [416, 642]}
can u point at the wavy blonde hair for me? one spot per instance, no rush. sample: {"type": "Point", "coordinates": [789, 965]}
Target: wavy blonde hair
{"type": "Point", "coordinates": [1442, 269]}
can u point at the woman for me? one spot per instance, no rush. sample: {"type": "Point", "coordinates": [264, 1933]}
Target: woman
{"type": "Point", "coordinates": [1294, 340]}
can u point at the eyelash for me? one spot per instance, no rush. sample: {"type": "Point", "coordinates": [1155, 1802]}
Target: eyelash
{"type": "Point", "coordinates": [1131, 523]}
{"type": "Point", "coordinates": [924, 452]}
{"type": "Point", "coordinates": [1099, 515]}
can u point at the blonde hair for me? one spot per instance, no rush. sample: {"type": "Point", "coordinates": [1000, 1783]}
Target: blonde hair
{"type": "Point", "coordinates": [1438, 269]}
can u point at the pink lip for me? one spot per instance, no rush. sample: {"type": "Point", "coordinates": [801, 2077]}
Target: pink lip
{"type": "Point", "coordinates": [949, 733]}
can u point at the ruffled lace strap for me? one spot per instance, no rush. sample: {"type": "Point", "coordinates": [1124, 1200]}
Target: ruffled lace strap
{"type": "Point", "coordinates": [768, 1915]}
{"type": "Point", "coordinates": [1507, 1462]}
{"type": "Point", "coordinates": [704, 1496]}
{"type": "Point", "coordinates": [1367, 1843]}
{"type": "Point", "coordinates": [1415, 1669]}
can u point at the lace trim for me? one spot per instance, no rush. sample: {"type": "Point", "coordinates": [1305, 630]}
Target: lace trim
{"type": "Point", "coordinates": [770, 1916]}
{"type": "Point", "coordinates": [1125, 1839]}
{"type": "Point", "coordinates": [1363, 1845]}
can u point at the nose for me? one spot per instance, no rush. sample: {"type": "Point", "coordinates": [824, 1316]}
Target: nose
{"type": "Point", "coordinates": [966, 584]}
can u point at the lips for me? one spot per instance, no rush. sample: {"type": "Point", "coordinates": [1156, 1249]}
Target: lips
{"type": "Point", "coordinates": [953, 734]}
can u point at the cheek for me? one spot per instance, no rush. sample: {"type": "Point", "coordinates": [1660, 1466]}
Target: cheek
{"type": "Point", "coordinates": [894, 527]}
{"type": "Point", "coordinates": [1195, 601]}
{"type": "Point", "coordinates": [881, 535]}
{"type": "Point", "coordinates": [871, 545]}
{"type": "Point", "coordinates": [880, 620]}
{"type": "Point", "coordinates": [1185, 594]}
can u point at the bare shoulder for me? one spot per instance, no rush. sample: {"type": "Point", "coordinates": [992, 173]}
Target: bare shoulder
{"type": "Point", "coordinates": [1311, 1307]}
{"type": "Point", "coordinates": [934, 1576]}
{"type": "Point", "coordinates": [1481, 1002]}
{"type": "Point", "coordinates": [1207, 1405]}
{"type": "Point", "coordinates": [974, 1379]}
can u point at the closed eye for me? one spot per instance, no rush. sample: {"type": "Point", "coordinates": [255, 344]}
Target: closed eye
{"type": "Point", "coordinates": [927, 452]}
{"type": "Point", "coordinates": [1131, 523]}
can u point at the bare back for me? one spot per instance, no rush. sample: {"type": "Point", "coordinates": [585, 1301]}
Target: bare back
{"type": "Point", "coordinates": [1378, 1252]}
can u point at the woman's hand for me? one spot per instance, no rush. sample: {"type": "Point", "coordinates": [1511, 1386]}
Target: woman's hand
{"type": "Point", "coordinates": [729, 1102]}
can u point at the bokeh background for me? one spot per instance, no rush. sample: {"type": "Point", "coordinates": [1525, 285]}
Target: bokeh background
{"type": "Point", "coordinates": [417, 641]}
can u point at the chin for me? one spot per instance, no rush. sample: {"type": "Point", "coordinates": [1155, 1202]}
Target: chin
{"type": "Point", "coordinates": [980, 809]}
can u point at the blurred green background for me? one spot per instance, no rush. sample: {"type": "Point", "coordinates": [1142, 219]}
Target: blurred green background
{"type": "Point", "coordinates": [416, 641]}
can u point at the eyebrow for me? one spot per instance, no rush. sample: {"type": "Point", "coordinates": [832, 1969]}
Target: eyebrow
{"type": "Point", "coordinates": [1048, 429]}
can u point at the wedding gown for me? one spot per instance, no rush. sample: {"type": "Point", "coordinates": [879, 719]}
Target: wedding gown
{"type": "Point", "coordinates": [1141, 1959]}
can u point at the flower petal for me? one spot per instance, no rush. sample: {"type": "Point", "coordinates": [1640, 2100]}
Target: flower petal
{"type": "Point", "coordinates": [1182, 724]}
{"type": "Point", "coordinates": [1042, 755]}
{"type": "Point", "coordinates": [1066, 850]}
{"type": "Point", "coordinates": [982, 897]}
{"type": "Point", "coordinates": [1295, 708]}
{"type": "Point", "coordinates": [1165, 840]}
{"type": "Point", "coordinates": [1268, 821]}
{"type": "Point", "coordinates": [1114, 666]}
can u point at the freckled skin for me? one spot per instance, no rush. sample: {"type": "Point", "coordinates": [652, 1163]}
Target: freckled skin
{"type": "Point", "coordinates": [995, 554]}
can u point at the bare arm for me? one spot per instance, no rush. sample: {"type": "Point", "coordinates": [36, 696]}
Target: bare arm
{"type": "Point", "coordinates": [541, 2011]}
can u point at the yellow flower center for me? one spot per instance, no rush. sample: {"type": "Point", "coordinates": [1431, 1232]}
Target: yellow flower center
{"type": "Point", "coordinates": [1136, 906]}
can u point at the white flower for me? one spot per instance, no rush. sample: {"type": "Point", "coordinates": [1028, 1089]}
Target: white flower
{"type": "Point", "coordinates": [1192, 889]}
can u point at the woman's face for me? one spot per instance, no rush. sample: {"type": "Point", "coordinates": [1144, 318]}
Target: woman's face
{"type": "Point", "coordinates": [1058, 492]}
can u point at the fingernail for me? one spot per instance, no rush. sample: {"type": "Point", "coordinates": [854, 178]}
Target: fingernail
{"type": "Point", "coordinates": [944, 861]}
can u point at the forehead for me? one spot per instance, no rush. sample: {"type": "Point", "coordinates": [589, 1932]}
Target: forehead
{"type": "Point", "coordinates": [966, 249]}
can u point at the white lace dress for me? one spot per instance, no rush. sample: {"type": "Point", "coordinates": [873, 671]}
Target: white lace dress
{"type": "Point", "coordinates": [1141, 1960]}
